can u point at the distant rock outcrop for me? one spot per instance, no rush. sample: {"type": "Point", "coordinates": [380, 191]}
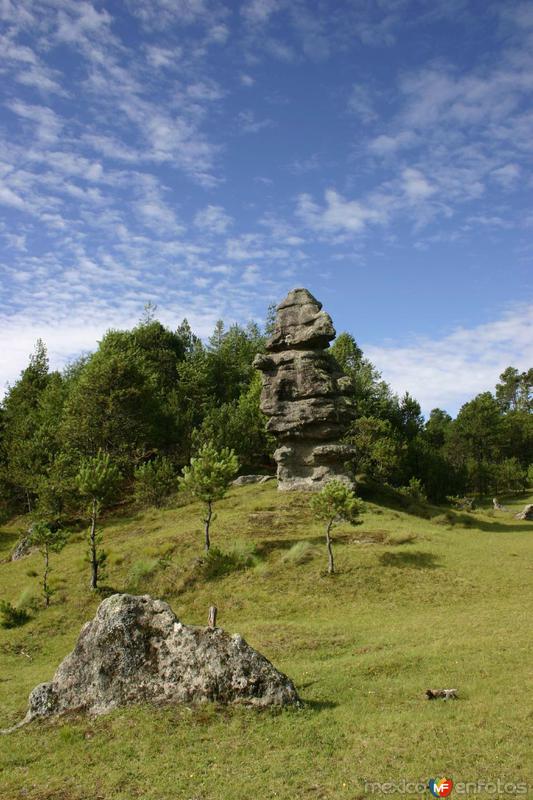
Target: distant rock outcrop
{"type": "Point", "coordinates": [22, 548]}
{"type": "Point", "coordinates": [526, 513]}
{"type": "Point", "coordinates": [305, 395]}
{"type": "Point", "coordinates": [246, 480]}
{"type": "Point", "coordinates": [136, 650]}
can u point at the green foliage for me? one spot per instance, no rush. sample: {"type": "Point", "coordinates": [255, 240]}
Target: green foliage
{"type": "Point", "coordinates": [11, 617]}
{"type": "Point", "coordinates": [515, 390]}
{"type": "Point", "coordinates": [509, 476]}
{"type": "Point", "coordinates": [97, 480]}
{"type": "Point", "coordinates": [48, 541]}
{"type": "Point", "coordinates": [380, 448]}
{"type": "Point", "coordinates": [414, 490]}
{"type": "Point", "coordinates": [140, 572]}
{"type": "Point", "coordinates": [155, 482]}
{"type": "Point", "coordinates": [334, 503]}
{"type": "Point", "coordinates": [241, 426]}
{"type": "Point", "coordinates": [217, 563]}
{"type": "Point", "coordinates": [210, 473]}
{"type": "Point", "coordinates": [208, 478]}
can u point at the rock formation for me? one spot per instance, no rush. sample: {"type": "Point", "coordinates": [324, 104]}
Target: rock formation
{"type": "Point", "coordinates": [136, 650]}
{"type": "Point", "coordinates": [305, 396]}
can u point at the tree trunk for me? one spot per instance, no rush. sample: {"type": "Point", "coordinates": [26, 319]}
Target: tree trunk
{"type": "Point", "coordinates": [209, 514]}
{"type": "Point", "coordinates": [92, 546]}
{"type": "Point", "coordinates": [331, 565]}
{"type": "Point", "coordinates": [45, 576]}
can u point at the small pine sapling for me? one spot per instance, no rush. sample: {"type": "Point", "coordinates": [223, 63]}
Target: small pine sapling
{"type": "Point", "coordinates": [97, 480]}
{"type": "Point", "coordinates": [334, 503]}
{"type": "Point", "coordinates": [208, 478]}
{"type": "Point", "coordinates": [47, 541]}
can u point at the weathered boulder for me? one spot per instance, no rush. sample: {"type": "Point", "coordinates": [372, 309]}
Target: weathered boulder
{"type": "Point", "coordinates": [136, 650]}
{"type": "Point", "coordinates": [526, 513]}
{"type": "Point", "coordinates": [305, 395]}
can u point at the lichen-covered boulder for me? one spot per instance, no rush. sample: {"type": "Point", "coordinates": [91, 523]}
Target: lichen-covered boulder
{"type": "Point", "coordinates": [136, 650]}
{"type": "Point", "coordinates": [306, 397]}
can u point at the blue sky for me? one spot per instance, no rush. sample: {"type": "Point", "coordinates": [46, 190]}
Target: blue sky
{"type": "Point", "coordinates": [209, 156]}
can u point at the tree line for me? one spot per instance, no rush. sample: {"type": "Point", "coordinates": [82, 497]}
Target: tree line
{"type": "Point", "coordinates": [150, 398]}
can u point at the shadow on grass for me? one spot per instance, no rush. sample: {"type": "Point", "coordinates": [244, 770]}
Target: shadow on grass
{"type": "Point", "coordinates": [413, 560]}
{"type": "Point", "coordinates": [8, 540]}
{"type": "Point", "coordinates": [389, 497]}
{"type": "Point", "coordinates": [319, 705]}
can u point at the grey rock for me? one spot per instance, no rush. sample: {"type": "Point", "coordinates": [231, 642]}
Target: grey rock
{"type": "Point", "coordinates": [245, 480]}
{"type": "Point", "coordinates": [526, 513]}
{"type": "Point", "coordinates": [23, 548]}
{"type": "Point", "coordinates": [305, 395]}
{"type": "Point", "coordinates": [300, 323]}
{"type": "Point", "coordinates": [136, 650]}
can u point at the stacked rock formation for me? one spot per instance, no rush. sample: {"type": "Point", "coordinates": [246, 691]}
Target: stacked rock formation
{"type": "Point", "coordinates": [136, 650]}
{"type": "Point", "coordinates": [306, 396]}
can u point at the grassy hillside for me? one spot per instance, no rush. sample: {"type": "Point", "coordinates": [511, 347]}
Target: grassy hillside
{"type": "Point", "coordinates": [417, 603]}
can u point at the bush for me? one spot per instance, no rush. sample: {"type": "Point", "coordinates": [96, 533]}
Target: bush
{"type": "Point", "coordinates": [216, 563]}
{"type": "Point", "coordinates": [155, 482]}
{"type": "Point", "coordinates": [414, 490]}
{"type": "Point", "coordinates": [463, 503]}
{"type": "Point", "coordinates": [12, 617]}
{"type": "Point", "coordinates": [140, 571]}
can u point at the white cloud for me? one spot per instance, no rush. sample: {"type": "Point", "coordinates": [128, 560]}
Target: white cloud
{"type": "Point", "coordinates": [361, 103]}
{"type": "Point", "coordinates": [448, 371]}
{"type": "Point", "coordinates": [248, 123]}
{"type": "Point", "coordinates": [338, 214]}
{"type": "Point", "coordinates": [213, 219]}
{"type": "Point", "coordinates": [258, 12]}
{"type": "Point", "coordinates": [507, 175]}
{"type": "Point", "coordinates": [385, 145]}
{"type": "Point", "coordinates": [415, 185]}
{"type": "Point", "coordinates": [47, 122]}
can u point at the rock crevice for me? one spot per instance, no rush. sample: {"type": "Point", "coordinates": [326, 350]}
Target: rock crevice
{"type": "Point", "coordinates": [305, 395]}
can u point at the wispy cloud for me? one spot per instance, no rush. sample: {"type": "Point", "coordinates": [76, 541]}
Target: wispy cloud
{"type": "Point", "coordinates": [445, 371]}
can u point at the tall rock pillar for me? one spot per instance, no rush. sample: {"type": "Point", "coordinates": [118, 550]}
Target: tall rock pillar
{"type": "Point", "coordinates": [305, 396]}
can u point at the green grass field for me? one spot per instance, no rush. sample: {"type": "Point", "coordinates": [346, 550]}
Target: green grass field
{"type": "Point", "coordinates": [417, 603]}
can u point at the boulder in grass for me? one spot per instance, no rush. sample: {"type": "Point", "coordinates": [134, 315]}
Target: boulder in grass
{"type": "Point", "coordinates": [526, 513]}
{"type": "Point", "coordinates": [136, 650]}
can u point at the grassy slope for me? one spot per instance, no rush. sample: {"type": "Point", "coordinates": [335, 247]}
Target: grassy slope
{"type": "Point", "coordinates": [433, 605]}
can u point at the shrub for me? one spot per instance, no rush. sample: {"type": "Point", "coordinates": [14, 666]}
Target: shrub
{"type": "Point", "coordinates": [414, 490]}
{"type": "Point", "coordinates": [140, 571]}
{"type": "Point", "coordinates": [155, 482]}
{"type": "Point", "coordinates": [216, 563]}
{"type": "Point", "coordinates": [12, 617]}
{"type": "Point", "coordinates": [463, 503]}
